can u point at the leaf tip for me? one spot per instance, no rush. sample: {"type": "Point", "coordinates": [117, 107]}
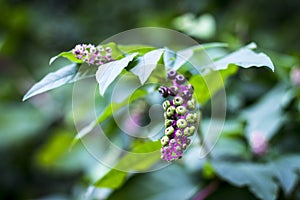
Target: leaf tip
{"type": "Point", "coordinates": [52, 60]}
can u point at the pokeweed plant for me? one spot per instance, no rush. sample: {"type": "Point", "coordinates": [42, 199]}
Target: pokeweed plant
{"type": "Point", "coordinates": [180, 100]}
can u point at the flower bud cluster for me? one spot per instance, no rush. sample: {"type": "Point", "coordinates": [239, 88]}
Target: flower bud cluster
{"type": "Point", "coordinates": [180, 117]}
{"type": "Point", "coordinates": [90, 54]}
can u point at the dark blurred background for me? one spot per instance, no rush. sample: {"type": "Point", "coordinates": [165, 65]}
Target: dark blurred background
{"type": "Point", "coordinates": [32, 31]}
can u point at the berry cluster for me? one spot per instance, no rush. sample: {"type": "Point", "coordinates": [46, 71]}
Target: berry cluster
{"type": "Point", "coordinates": [180, 117]}
{"type": "Point", "coordinates": [90, 54]}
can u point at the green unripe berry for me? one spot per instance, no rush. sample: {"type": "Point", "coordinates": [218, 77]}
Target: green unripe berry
{"type": "Point", "coordinates": [172, 141]}
{"type": "Point", "coordinates": [178, 148]}
{"type": "Point", "coordinates": [166, 104]}
{"type": "Point", "coordinates": [169, 130]}
{"type": "Point", "coordinates": [168, 122]}
{"type": "Point", "coordinates": [190, 118]}
{"type": "Point", "coordinates": [188, 131]}
{"type": "Point", "coordinates": [164, 140]}
{"type": "Point", "coordinates": [180, 110]}
{"type": "Point", "coordinates": [196, 116]}
{"type": "Point", "coordinates": [171, 111]}
{"type": "Point", "coordinates": [181, 123]}
{"type": "Point", "coordinates": [178, 101]}
{"type": "Point", "coordinates": [191, 104]}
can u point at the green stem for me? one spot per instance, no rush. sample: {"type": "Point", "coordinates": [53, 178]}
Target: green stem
{"type": "Point", "coordinates": [202, 141]}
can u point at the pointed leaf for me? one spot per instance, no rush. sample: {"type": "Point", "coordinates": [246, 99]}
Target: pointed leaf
{"type": "Point", "coordinates": [67, 74]}
{"type": "Point", "coordinates": [182, 57]}
{"type": "Point", "coordinates": [176, 60]}
{"type": "Point", "coordinates": [147, 64]}
{"type": "Point", "coordinates": [245, 57]}
{"type": "Point", "coordinates": [68, 54]}
{"type": "Point", "coordinates": [108, 72]}
{"type": "Point", "coordinates": [258, 177]}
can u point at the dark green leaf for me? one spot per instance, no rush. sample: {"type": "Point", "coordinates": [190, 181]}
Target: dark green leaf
{"type": "Point", "coordinates": [67, 74]}
{"type": "Point", "coordinates": [266, 116]}
{"type": "Point", "coordinates": [286, 169]}
{"type": "Point", "coordinates": [146, 64]}
{"type": "Point", "coordinates": [108, 72]}
{"type": "Point", "coordinates": [20, 123]}
{"type": "Point", "coordinates": [169, 183]}
{"type": "Point", "coordinates": [258, 177]}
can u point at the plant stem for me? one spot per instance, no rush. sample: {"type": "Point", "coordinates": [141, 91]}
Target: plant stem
{"type": "Point", "coordinates": [203, 194]}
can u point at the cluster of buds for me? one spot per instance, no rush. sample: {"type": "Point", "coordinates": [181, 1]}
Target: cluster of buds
{"type": "Point", "coordinates": [180, 117]}
{"type": "Point", "coordinates": [90, 54]}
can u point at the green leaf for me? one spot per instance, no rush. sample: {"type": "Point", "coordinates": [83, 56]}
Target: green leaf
{"type": "Point", "coordinates": [20, 123]}
{"type": "Point", "coordinates": [146, 64]}
{"type": "Point", "coordinates": [244, 57]}
{"type": "Point", "coordinates": [68, 54]}
{"type": "Point", "coordinates": [266, 116]}
{"type": "Point", "coordinates": [113, 179]}
{"type": "Point", "coordinates": [141, 49]}
{"type": "Point", "coordinates": [169, 183]}
{"type": "Point", "coordinates": [112, 107]}
{"type": "Point", "coordinates": [286, 169]}
{"type": "Point", "coordinates": [115, 50]}
{"type": "Point", "coordinates": [229, 147]}
{"type": "Point", "coordinates": [135, 161]}
{"type": "Point", "coordinates": [169, 58]}
{"type": "Point", "coordinates": [182, 57]}
{"type": "Point", "coordinates": [176, 59]}
{"type": "Point", "coordinates": [258, 177]}
{"type": "Point", "coordinates": [206, 86]}
{"type": "Point", "coordinates": [108, 72]}
{"type": "Point", "coordinates": [67, 74]}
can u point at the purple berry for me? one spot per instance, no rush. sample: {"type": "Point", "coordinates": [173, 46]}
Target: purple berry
{"type": "Point", "coordinates": [163, 91]}
{"type": "Point", "coordinates": [172, 74]}
{"type": "Point", "coordinates": [180, 79]}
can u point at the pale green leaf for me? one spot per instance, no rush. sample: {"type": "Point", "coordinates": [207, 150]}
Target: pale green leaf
{"type": "Point", "coordinates": [146, 64]}
{"type": "Point", "coordinates": [244, 57]}
{"type": "Point", "coordinates": [67, 74]}
{"type": "Point", "coordinates": [108, 72]}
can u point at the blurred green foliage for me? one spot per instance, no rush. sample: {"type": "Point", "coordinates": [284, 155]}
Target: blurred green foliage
{"type": "Point", "coordinates": [35, 136]}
